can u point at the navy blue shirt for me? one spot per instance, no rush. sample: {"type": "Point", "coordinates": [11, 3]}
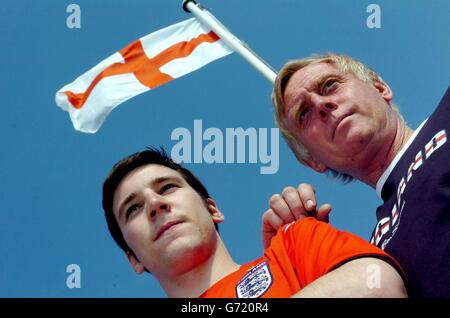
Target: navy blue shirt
{"type": "Point", "coordinates": [414, 220]}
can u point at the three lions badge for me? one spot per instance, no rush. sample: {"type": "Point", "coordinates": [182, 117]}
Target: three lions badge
{"type": "Point", "coordinates": [255, 282]}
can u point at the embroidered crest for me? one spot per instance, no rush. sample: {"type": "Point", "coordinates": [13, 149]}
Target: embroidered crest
{"type": "Point", "coordinates": [255, 282]}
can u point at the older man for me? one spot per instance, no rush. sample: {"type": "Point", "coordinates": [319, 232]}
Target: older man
{"type": "Point", "coordinates": [337, 115]}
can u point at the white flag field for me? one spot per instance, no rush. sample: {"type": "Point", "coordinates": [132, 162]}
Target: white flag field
{"type": "Point", "coordinates": [145, 64]}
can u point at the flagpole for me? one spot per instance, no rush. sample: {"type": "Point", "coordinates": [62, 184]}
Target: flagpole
{"type": "Point", "coordinates": [232, 41]}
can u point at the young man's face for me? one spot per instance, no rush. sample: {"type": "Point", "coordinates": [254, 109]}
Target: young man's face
{"type": "Point", "coordinates": [335, 115]}
{"type": "Point", "coordinates": [164, 221]}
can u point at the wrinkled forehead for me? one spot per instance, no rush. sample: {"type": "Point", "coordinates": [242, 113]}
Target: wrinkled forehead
{"type": "Point", "coordinates": [308, 77]}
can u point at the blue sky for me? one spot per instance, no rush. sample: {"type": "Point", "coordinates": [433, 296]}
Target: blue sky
{"type": "Point", "coordinates": [51, 175]}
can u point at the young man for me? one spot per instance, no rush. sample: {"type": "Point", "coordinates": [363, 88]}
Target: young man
{"type": "Point", "coordinates": [163, 218]}
{"type": "Point", "coordinates": [337, 115]}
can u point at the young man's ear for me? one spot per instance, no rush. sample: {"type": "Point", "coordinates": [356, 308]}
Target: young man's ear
{"type": "Point", "coordinates": [384, 90]}
{"type": "Point", "coordinates": [216, 215]}
{"type": "Point", "coordinates": [135, 264]}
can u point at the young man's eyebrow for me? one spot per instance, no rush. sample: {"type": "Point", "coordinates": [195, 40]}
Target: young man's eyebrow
{"type": "Point", "coordinates": [153, 182]}
{"type": "Point", "coordinates": [125, 202]}
{"type": "Point", "coordinates": [163, 179]}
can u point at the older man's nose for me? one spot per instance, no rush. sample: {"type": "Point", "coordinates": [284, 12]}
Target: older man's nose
{"type": "Point", "coordinates": [326, 108]}
{"type": "Point", "coordinates": [323, 105]}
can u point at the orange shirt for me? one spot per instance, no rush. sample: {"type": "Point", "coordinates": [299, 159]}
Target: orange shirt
{"type": "Point", "coordinates": [299, 253]}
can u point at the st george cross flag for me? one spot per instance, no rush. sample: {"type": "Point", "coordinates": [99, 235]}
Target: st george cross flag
{"type": "Point", "coordinates": [145, 64]}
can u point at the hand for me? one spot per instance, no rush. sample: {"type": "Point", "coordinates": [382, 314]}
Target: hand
{"type": "Point", "coordinates": [293, 204]}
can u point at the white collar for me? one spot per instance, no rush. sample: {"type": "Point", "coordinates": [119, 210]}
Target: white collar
{"type": "Point", "coordinates": [387, 172]}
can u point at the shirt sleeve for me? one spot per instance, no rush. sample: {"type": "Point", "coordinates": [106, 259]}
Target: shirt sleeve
{"type": "Point", "coordinates": [316, 248]}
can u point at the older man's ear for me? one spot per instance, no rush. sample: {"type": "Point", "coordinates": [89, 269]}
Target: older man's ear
{"type": "Point", "coordinates": [384, 90]}
{"type": "Point", "coordinates": [316, 165]}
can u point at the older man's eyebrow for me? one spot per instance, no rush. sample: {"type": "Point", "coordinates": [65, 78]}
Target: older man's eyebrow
{"type": "Point", "coordinates": [315, 86]}
{"type": "Point", "coordinates": [297, 104]}
{"type": "Point", "coordinates": [294, 112]}
{"type": "Point", "coordinates": [319, 82]}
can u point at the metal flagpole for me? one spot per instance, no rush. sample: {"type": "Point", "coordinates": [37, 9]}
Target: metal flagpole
{"type": "Point", "coordinates": [205, 17]}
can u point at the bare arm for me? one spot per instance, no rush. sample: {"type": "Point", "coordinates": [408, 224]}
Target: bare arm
{"type": "Point", "coordinates": [361, 278]}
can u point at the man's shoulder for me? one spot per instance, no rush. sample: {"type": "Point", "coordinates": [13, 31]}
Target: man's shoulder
{"type": "Point", "coordinates": [443, 106]}
{"type": "Point", "coordinates": [309, 231]}
{"type": "Point", "coordinates": [447, 94]}
{"type": "Point", "coordinates": [306, 224]}
{"type": "Point", "coordinates": [311, 234]}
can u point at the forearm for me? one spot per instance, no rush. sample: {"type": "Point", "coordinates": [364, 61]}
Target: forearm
{"type": "Point", "coordinates": [365, 277]}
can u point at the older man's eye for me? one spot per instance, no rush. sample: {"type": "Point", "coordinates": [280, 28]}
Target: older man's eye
{"type": "Point", "coordinates": [329, 86]}
{"type": "Point", "coordinates": [304, 113]}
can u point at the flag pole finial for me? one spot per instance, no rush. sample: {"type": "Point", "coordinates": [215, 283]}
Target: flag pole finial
{"type": "Point", "coordinates": [206, 18]}
{"type": "Point", "coordinates": [185, 3]}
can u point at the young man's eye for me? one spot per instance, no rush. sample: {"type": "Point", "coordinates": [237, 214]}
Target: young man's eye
{"type": "Point", "coordinates": [133, 208]}
{"type": "Point", "coordinates": [167, 187]}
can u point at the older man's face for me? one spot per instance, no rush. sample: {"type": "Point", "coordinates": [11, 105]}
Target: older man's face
{"type": "Point", "coordinates": [336, 116]}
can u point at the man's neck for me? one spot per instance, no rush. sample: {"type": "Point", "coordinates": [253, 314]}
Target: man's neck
{"type": "Point", "coordinates": [386, 155]}
{"type": "Point", "coordinates": [196, 281]}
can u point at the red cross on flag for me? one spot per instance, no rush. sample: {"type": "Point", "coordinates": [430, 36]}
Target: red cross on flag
{"type": "Point", "coordinates": [145, 64]}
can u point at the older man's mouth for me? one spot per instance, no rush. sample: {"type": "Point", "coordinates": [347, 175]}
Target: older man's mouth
{"type": "Point", "coordinates": [338, 121]}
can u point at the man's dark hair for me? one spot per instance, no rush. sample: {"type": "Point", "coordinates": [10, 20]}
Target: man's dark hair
{"type": "Point", "coordinates": [130, 163]}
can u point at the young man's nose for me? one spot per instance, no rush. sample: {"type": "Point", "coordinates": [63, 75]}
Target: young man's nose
{"type": "Point", "coordinates": [156, 204]}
